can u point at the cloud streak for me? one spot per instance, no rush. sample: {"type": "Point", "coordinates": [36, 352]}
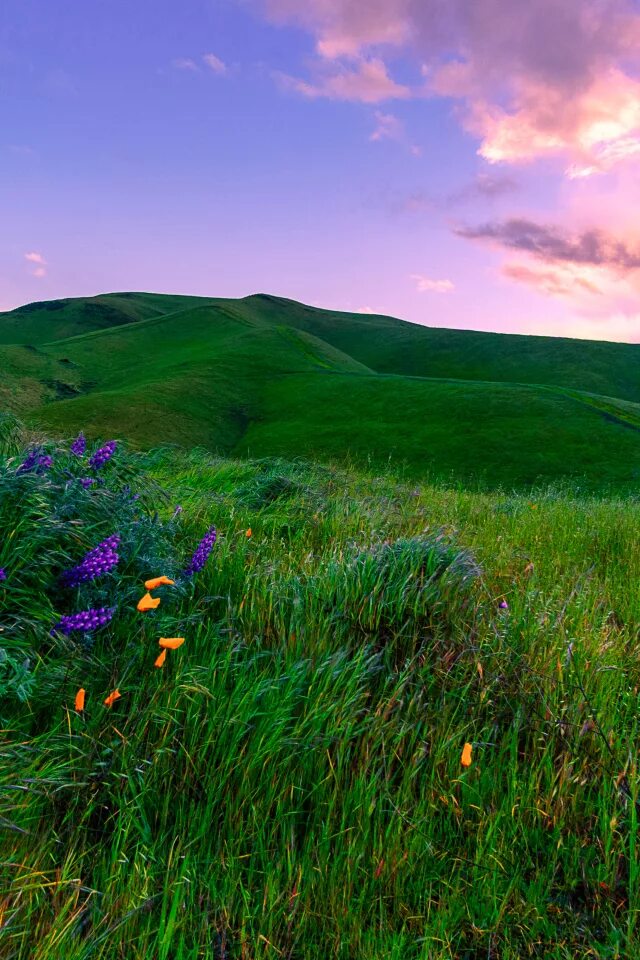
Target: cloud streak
{"type": "Point", "coordinates": [424, 284]}
{"type": "Point", "coordinates": [593, 247]}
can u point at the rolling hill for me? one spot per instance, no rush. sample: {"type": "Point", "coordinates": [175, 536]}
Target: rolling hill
{"type": "Point", "coordinates": [266, 376]}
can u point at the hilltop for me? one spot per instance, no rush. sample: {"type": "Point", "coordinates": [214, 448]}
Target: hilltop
{"type": "Point", "coordinates": [265, 376]}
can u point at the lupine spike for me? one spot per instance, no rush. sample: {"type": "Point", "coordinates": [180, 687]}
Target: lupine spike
{"type": "Point", "coordinates": [101, 456]}
{"type": "Point", "coordinates": [85, 620]}
{"type": "Point", "coordinates": [202, 552]}
{"type": "Point", "coordinates": [79, 444]}
{"type": "Point", "coordinates": [101, 559]}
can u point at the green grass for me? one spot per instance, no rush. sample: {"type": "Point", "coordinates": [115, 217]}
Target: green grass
{"type": "Point", "coordinates": [289, 783]}
{"type": "Point", "coordinates": [274, 377]}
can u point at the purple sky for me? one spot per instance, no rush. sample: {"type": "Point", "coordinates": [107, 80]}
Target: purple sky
{"type": "Point", "coordinates": [466, 163]}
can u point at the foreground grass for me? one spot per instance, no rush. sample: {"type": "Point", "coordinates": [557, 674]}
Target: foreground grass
{"type": "Point", "coordinates": [289, 783]}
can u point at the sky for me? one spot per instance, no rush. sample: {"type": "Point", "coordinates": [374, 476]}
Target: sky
{"type": "Point", "coordinates": [456, 163]}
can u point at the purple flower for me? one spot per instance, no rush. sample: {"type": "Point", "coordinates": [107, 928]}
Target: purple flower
{"type": "Point", "coordinates": [79, 444]}
{"type": "Point", "coordinates": [177, 510]}
{"type": "Point", "coordinates": [101, 559]}
{"type": "Point", "coordinates": [87, 481]}
{"type": "Point", "coordinates": [101, 456]}
{"type": "Point", "coordinates": [35, 460]}
{"type": "Point", "coordinates": [504, 605]}
{"type": "Point", "coordinates": [3, 575]}
{"type": "Point", "coordinates": [85, 621]}
{"type": "Point", "coordinates": [203, 550]}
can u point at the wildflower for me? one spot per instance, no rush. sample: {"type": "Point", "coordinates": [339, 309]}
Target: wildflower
{"type": "Point", "coordinates": [248, 533]}
{"type": "Point", "coordinates": [156, 581]}
{"type": "Point", "coordinates": [101, 456]}
{"type": "Point", "coordinates": [171, 643]}
{"type": "Point", "coordinates": [465, 759]}
{"type": "Point", "coordinates": [79, 445]}
{"type": "Point", "coordinates": [203, 550]}
{"type": "Point", "coordinates": [87, 481]}
{"type": "Point", "coordinates": [148, 603]}
{"type": "Point", "coordinates": [3, 575]}
{"type": "Point", "coordinates": [35, 460]}
{"type": "Point", "coordinates": [112, 698]}
{"type": "Point", "coordinates": [504, 605]}
{"type": "Point", "coordinates": [85, 620]}
{"type": "Point", "coordinates": [98, 561]}
{"type": "Point", "coordinates": [79, 704]}
{"type": "Point", "coordinates": [177, 510]}
{"type": "Point", "coordinates": [160, 659]}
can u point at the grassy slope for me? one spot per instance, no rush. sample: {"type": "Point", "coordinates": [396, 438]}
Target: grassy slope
{"type": "Point", "coordinates": [289, 783]}
{"type": "Point", "coordinates": [274, 376]}
{"type": "Point", "coordinates": [495, 433]}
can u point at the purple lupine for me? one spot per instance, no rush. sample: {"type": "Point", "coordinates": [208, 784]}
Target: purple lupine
{"type": "Point", "coordinates": [203, 550]}
{"type": "Point", "coordinates": [85, 620]}
{"type": "Point", "coordinates": [35, 459]}
{"type": "Point", "coordinates": [101, 456]}
{"type": "Point", "coordinates": [79, 444]}
{"type": "Point", "coordinates": [3, 575]}
{"type": "Point", "coordinates": [101, 559]}
{"type": "Point", "coordinates": [87, 481]}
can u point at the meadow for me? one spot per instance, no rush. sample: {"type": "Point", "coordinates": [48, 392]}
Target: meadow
{"type": "Point", "coordinates": [289, 782]}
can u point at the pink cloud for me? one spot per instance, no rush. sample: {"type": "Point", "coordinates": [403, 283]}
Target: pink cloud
{"type": "Point", "coordinates": [369, 82]}
{"type": "Point", "coordinates": [424, 284]}
{"type": "Point", "coordinates": [214, 63]}
{"type": "Point", "coordinates": [390, 127]}
{"type": "Point", "coordinates": [547, 78]}
{"type": "Point", "coordinates": [34, 257]}
{"type": "Point", "coordinates": [556, 282]}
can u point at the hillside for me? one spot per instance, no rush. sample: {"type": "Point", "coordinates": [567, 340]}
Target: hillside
{"type": "Point", "coordinates": [268, 376]}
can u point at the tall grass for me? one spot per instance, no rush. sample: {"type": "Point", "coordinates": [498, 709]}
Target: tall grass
{"type": "Point", "coordinates": [289, 783]}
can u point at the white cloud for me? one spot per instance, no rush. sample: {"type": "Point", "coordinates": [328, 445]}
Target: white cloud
{"type": "Point", "coordinates": [215, 63]}
{"type": "Point", "coordinates": [34, 257]}
{"type": "Point", "coordinates": [185, 63]}
{"type": "Point", "coordinates": [437, 286]}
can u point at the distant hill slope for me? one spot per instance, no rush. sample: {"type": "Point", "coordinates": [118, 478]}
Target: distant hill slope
{"type": "Point", "coordinates": [269, 375]}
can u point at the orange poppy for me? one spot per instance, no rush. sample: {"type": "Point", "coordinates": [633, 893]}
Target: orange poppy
{"type": "Point", "coordinates": [79, 705]}
{"type": "Point", "coordinates": [171, 643]}
{"type": "Point", "coordinates": [148, 603]}
{"type": "Point", "coordinates": [465, 759]}
{"type": "Point", "coordinates": [156, 581]}
{"type": "Point", "coordinates": [248, 533]}
{"type": "Point", "coordinates": [112, 698]}
{"type": "Point", "coordinates": [160, 659]}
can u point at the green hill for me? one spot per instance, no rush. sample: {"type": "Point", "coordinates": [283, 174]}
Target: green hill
{"type": "Point", "coordinates": [269, 376]}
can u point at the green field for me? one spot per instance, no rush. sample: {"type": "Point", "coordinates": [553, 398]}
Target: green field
{"type": "Point", "coordinates": [271, 376]}
{"type": "Point", "coordinates": [289, 783]}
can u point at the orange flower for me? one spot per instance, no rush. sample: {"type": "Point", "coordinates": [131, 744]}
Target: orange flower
{"type": "Point", "coordinates": [160, 659]}
{"type": "Point", "coordinates": [155, 582]}
{"type": "Point", "coordinates": [80, 699]}
{"type": "Point", "coordinates": [171, 643]}
{"type": "Point", "coordinates": [465, 759]}
{"type": "Point", "coordinates": [112, 698]}
{"type": "Point", "coordinates": [148, 603]}
{"type": "Point", "coordinates": [248, 533]}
